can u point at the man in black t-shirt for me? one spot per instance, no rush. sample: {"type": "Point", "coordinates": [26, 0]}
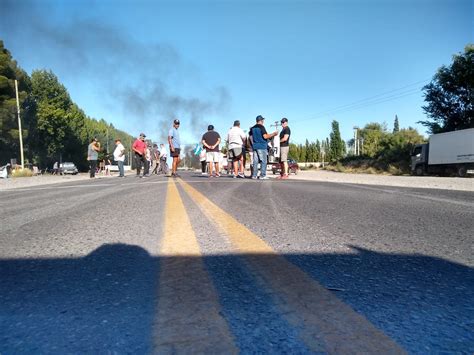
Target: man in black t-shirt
{"type": "Point", "coordinates": [284, 147]}
{"type": "Point", "coordinates": [210, 141]}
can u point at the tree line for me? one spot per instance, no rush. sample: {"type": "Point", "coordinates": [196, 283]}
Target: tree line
{"type": "Point", "coordinates": [54, 128]}
{"type": "Point", "coordinates": [374, 139]}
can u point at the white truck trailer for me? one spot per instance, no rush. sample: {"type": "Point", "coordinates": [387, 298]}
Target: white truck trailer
{"type": "Point", "coordinates": [445, 153]}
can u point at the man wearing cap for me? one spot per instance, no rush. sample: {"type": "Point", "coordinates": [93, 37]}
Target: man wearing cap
{"type": "Point", "coordinates": [175, 143]}
{"type": "Point", "coordinates": [259, 136]}
{"type": "Point", "coordinates": [211, 140]}
{"type": "Point", "coordinates": [139, 147]}
{"type": "Point", "coordinates": [92, 155]}
{"type": "Point", "coordinates": [284, 147]}
{"type": "Point", "coordinates": [236, 139]}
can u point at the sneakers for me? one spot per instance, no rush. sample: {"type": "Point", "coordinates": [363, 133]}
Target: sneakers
{"type": "Point", "coordinates": [218, 175]}
{"type": "Point", "coordinates": [254, 178]}
{"type": "Point", "coordinates": [241, 176]}
{"type": "Point", "coordinates": [263, 178]}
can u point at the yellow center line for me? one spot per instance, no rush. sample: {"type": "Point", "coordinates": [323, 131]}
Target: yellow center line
{"type": "Point", "coordinates": [319, 315]}
{"type": "Point", "coordinates": [188, 316]}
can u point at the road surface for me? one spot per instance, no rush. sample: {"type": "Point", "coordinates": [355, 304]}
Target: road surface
{"type": "Point", "coordinates": [228, 265]}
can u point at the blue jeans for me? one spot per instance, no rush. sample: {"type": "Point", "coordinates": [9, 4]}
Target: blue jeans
{"type": "Point", "coordinates": [260, 155]}
{"type": "Point", "coordinates": [120, 167]}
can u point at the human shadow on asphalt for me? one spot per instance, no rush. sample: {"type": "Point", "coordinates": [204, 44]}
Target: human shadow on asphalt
{"type": "Point", "coordinates": [107, 300]}
{"type": "Point", "coordinates": [103, 302]}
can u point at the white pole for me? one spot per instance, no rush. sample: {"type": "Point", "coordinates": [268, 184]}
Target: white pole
{"type": "Point", "coordinates": [357, 141]}
{"type": "Point", "coordinates": [19, 125]}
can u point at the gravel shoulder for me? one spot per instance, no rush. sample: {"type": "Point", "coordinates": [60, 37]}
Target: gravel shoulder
{"type": "Point", "coordinates": [426, 182]}
{"type": "Point", "coordinates": [12, 183]}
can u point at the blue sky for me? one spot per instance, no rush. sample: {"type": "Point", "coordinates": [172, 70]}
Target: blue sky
{"type": "Point", "coordinates": [137, 64]}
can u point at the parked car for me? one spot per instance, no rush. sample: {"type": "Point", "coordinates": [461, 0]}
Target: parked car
{"type": "Point", "coordinates": [68, 168]}
{"type": "Point", "coordinates": [5, 171]}
{"type": "Point", "coordinates": [293, 167]}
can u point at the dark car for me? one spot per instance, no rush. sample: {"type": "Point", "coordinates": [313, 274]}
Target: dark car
{"type": "Point", "coordinates": [292, 167]}
{"type": "Point", "coordinates": [68, 168]}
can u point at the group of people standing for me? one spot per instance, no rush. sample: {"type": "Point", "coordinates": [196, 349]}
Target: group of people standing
{"type": "Point", "coordinates": [154, 158]}
{"type": "Point", "coordinates": [256, 144]}
{"type": "Point", "coordinates": [149, 157]}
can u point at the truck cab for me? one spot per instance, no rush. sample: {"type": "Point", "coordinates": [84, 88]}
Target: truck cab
{"type": "Point", "coordinates": [419, 159]}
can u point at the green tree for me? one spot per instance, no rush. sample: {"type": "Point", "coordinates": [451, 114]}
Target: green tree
{"type": "Point", "coordinates": [318, 150]}
{"type": "Point", "coordinates": [293, 152]}
{"type": "Point", "coordinates": [336, 144]}
{"type": "Point", "coordinates": [396, 147]}
{"type": "Point", "coordinates": [450, 95]}
{"type": "Point", "coordinates": [307, 151]}
{"type": "Point", "coordinates": [53, 103]}
{"type": "Point", "coordinates": [63, 127]}
{"type": "Point", "coordinates": [396, 125]}
{"type": "Point", "coordinates": [9, 131]}
{"type": "Point", "coordinates": [325, 150]}
{"type": "Point", "coordinates": [372, 135]}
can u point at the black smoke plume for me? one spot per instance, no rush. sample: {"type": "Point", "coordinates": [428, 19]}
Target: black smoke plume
{"type": "Point", "coordinates": [86, 47]}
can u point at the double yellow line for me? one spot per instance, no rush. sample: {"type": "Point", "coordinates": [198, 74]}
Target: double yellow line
{"type": "Point", "coordinates": [187, 298]}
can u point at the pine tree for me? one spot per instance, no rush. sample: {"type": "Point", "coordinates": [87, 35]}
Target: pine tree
{"type": "Point", "coordinates": [318, 150]}
{"type": "Point", "coordinates": [396, 127]}
{"type": "Point", "coordinates": [336, 145]}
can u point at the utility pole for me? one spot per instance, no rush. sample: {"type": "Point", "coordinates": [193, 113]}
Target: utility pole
{"type": "Point", "coordinates": [356, 141]}
{"type": "Point", "coordinates": [19, 125]}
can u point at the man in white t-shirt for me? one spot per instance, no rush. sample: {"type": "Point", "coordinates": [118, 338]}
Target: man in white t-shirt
{"type": "Point", "coordinates": [237, 138]}
{"type": "Point", "coordinates": [119, 156]}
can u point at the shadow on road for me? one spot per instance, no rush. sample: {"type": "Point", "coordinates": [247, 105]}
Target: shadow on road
{"type": "Point", "coordinates": [106, 301]}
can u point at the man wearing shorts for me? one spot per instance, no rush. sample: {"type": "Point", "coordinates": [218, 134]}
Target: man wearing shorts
{"type": "Point", "coordinates": [175, 143]}
{"type": "Point", "coordinates": [211, 140]}
{"type": "Point", "coordinates": [284, 147]}
{"type": "Point", "coordinates": [237, 139]}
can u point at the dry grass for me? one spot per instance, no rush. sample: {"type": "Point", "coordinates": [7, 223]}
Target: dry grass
{"type": "Point", "coordinates": [366, 166]}
{"type": "Point", "coordinates": [22, 173]}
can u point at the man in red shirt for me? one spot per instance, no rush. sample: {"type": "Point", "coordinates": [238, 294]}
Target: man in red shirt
{"type": "Point", "coordinates": [139, 147]}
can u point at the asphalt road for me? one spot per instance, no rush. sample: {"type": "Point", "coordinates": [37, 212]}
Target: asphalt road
{"type": "Point", "coordinates": [228, 265]}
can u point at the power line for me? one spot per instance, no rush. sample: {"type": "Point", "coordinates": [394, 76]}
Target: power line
{"type": "Point", "coordinates": [372, 100]}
